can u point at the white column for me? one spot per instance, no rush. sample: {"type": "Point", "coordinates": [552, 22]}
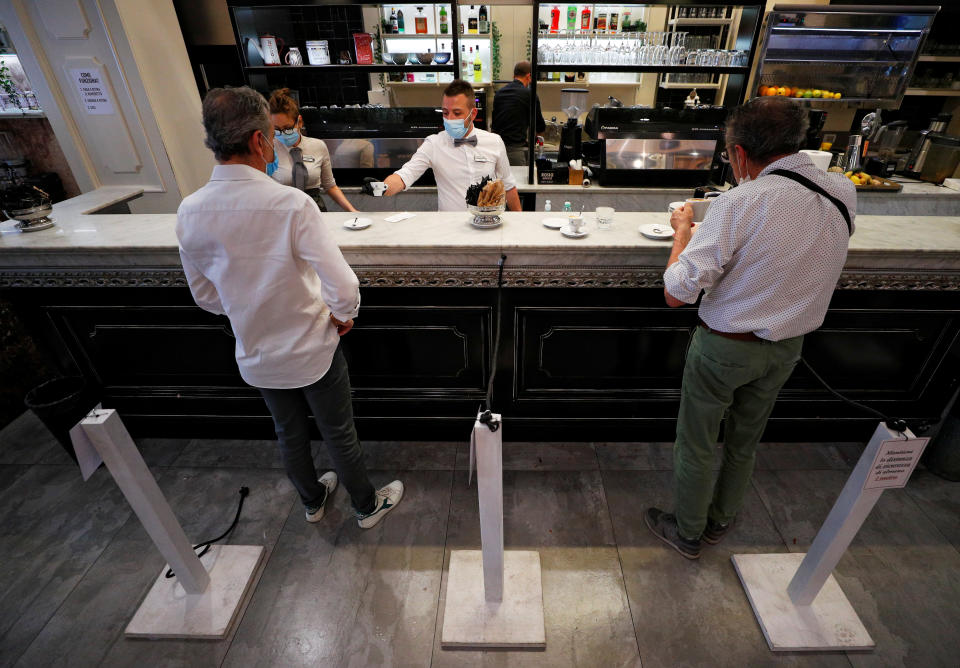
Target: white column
{"type": "Point", "coordinates": [490, 488]}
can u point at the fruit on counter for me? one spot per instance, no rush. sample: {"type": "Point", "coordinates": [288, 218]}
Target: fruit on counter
{"type": "Point", "coordinates": [860, 178]}
{"type": "Point", "coordinates": [797, 92]}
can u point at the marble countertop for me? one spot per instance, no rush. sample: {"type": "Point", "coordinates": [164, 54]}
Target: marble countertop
{"type": "Point", "coordinates": [448, 239]}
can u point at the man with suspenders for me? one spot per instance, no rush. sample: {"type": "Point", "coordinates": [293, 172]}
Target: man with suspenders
{"type": "Point", "coordinates": [767, 258]}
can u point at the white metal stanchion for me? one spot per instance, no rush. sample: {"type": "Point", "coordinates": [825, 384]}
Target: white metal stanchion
{"type": "Point", "coordinates": [795, 597]}
{"type": "Point", "coordinates": [494, 597]}
{"type": "Point", "coordinates": [205, 596]}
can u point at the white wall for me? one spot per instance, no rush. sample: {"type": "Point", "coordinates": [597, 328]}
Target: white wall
{"type": "Point", "coordinates": [153, 139]}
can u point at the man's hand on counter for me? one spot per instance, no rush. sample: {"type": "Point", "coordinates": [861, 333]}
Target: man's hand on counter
{"type": "Point", "coordinates": [342, 327]}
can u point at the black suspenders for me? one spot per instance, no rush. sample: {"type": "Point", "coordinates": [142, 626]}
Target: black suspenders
{"type": "Point", "coordinates": [804, 181]}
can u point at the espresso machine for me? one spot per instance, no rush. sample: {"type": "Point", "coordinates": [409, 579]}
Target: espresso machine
{"type": "Point", "coordinates": [572, 101]}
{"type": "Point", "coordinates": [921, 148]}
{"type": "Point", "coordinates": [640, 146]}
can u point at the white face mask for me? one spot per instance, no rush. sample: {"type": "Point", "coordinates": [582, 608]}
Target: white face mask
{"type": "Point", "coordinates": [744, 174]}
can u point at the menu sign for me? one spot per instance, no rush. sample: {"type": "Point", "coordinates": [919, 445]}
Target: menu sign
{"type": "Point", "coordinates": [894, 463]}
{"type": "Point", "coordinates": [93, 89]}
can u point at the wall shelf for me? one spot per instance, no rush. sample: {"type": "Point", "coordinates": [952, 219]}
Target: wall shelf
{"type": "Point", "coordinates": [933, 92]}
{"type": "Point", "coordinates": [675, 85]}
{"type": "Point", "coordinates": [665, 69]}
{"type": "Point", "coordinates": [939, 59]}
{"type": "Point", "coordinates": [700, 22]}
{"type": "Point", "coordinates": [351, 68]}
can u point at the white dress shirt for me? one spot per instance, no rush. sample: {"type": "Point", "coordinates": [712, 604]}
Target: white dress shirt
{"type": "Point", "coordinates": [768, 253]}
{"type": "Point", "coordinates": [456, 168]}
{"type": "Point", "coordinates": [316, 158]}
{"type": "Point", "coordinates": [260, 253]}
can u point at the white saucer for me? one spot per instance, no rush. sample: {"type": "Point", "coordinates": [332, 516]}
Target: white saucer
{"type": "Point", "coordinates": [567, 232]}
{"type": "Point", "coordinates": [674, 205]}
{"type": "Point", "coordinates": [657, 231]}
{"type": "Point", "coordinates": [358, 223]}
{"type": "Point", "coordinates": [554, 223]}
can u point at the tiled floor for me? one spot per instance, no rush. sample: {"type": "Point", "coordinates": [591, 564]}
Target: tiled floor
{"type": "Point", "coordinates": [76, 562]}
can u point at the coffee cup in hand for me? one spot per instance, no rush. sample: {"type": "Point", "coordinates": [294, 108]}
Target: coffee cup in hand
{"type": "Point", "coordinates": [373, 187]}
{"type": "Point", "coordinates": [699, 205]}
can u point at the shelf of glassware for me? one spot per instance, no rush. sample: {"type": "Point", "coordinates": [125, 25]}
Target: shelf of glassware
{"type": "Point", "coordinates": [665, 69]}
{"type": "Point", "coordinates": [352, 68]}
{"type": "Point", "coordinates": [424, 35]}
{"type": "Point", "coordinates": [687, 86]}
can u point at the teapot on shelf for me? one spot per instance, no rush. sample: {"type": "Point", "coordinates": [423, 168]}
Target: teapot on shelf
{"type": "Point", "coordinates": [268, 47]}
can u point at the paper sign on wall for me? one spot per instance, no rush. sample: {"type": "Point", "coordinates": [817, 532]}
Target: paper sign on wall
{"type": "Point", "coordinates": [94, 90]}
{"type": "Point", "coordinates": [894, 463]}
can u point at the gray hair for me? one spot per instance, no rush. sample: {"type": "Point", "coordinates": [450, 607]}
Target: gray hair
{"type": "Point", "coordinates": [767, 127]}
{"type": "Point", "coordinates": [230, 116]}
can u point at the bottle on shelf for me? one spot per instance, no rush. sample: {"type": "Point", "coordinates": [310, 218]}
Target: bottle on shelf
{"type": "Point", "coordinates": [601, 23]}
{"type": "Point", "coordinates": [420, 22]}
{"type": "Point", "coordinates": [625, 20]}
{"type": "Point", "coordinates": [585, 18]}
{"type": "Point", "coordinates": [571, 17]}
{"type": "Point", "coordinates": [555, 19]}
{"type": "Point", "coordinates": [394, 25]}
{"type": "Point", "coordinates": [466, 62]}
{"type": "Point", "coordinates": [444, 26]}
{"type": "Point", "coordinates": [477, 67]}
{"type": "Point", "coordinates": [400, 21]}
{"type": "Point", "coordinates": [547, 206]}
{"type": "Point", "coordinates": [567, 207]}
{"type": "Point", "coordinates": [472, 22]}
{"type": "Point", "coordinates": [483, 23]}
{"type": "Point", "coordinates": [613, 22]}
{"type": "Point", "coordinates": [430, 77]}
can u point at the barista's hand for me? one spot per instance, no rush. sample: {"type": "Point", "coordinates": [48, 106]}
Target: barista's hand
{"type": "Point", "coordinates": [682, 217]}
{"type": "Point", "coordinates": [342, 327]}
{"type": "Point", "coordinates": [373, 187]}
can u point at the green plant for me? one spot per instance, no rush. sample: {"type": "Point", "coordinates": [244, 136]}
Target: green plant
{"type": "Point", "coordinates": [10, 88]}
{"type": "Point", "coordinates": [495, 51]}
{"type": "Point", "coordinates": [378, 55]}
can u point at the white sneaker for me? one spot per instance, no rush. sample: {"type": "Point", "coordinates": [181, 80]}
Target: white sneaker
{"type": "Point", "coordinates": [387, 499]}
{"type": "Point", "coordinates": [328, 480]}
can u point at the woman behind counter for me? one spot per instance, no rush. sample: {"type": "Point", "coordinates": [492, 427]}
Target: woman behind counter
{"type": "Point", "coordinates": [303, 162]}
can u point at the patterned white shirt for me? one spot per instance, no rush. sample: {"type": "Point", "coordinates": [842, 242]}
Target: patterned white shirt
{"type": "Point", "coordinates": [768, 253]}
{"type": "Point", "coordinates": [456, 168]}
{"type": "Point", "coordinates": [260, 253]}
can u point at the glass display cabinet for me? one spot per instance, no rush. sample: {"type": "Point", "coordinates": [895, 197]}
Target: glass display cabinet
{"type": "Point", "coordinates": [851, 55]}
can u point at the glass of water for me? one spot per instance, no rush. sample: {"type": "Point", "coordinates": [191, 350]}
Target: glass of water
{"type": "Point", "coordinates": [605, 217]}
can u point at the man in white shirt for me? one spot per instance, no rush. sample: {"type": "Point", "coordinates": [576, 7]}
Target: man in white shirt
{"type": "Point", "coordinates": [460, 156]}
{"type": "Point", "coordinates": [259, 253]}
{"type": "Point", "coordinates": [767, 257]}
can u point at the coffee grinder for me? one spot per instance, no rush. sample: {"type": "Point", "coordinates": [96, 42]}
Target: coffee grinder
{"type": "Point", "coordinates": [572, 101]}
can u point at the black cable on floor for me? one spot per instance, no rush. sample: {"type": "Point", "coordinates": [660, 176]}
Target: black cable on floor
{"type": "Point", "coordinates": [244, 493]}
{"type": "Point", "coordinates": [896, 424]}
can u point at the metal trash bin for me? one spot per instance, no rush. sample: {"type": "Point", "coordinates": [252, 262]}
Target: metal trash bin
{"type": "Point", "coordinates": [60, 404]}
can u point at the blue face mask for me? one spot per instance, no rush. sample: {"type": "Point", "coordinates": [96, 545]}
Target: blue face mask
{"type": "Point", "coordinates": [456, 128]}
{"type": "Point", "coordinates": [289, 139]}
{"type": "Point", "coordinates": [272, 166]}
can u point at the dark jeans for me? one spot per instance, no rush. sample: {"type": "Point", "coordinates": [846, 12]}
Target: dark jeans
{"type": "Point", "coordinates": [518, 154]}
{"type": "Point", "coordinates": [329, 401]}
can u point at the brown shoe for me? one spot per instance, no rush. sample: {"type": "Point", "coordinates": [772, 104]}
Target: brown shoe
{"type": "Point", "coordinates": [714, 532]}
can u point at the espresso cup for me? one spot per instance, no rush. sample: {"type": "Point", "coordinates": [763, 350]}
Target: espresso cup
{"type": "Point", "coordinates": [576, 224]}
{"type": "Point", "coordinates": [699, 206]}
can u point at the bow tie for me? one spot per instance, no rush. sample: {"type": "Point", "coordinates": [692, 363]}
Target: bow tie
{"type": "Point", "coordinates": [472, 140]}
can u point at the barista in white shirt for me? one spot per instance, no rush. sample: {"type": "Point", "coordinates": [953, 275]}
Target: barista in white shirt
{"type": "Point", "coordinates": [259, 253]}
{"type": "Point", "coordinates": [302, 162]}
{"type": "Point", "coordinates": [460, 156]}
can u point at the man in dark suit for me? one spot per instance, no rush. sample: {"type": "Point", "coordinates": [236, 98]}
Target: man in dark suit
{"type": "Point", "coordinates": [511, 114]}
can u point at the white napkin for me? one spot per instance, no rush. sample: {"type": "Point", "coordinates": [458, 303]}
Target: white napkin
{"type": "Point", "coordinates": [397, 217]}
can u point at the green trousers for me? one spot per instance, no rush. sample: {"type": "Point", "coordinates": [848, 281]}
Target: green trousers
{"type": "Point", "coordinates": [739, 380]}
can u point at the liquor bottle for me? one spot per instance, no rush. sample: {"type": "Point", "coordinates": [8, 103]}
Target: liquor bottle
{"type": "Point", "coordinates": [444, 27]}
{"type": "Point", "coordinates": [613, 22]}
{"type": "Point", "coordinates": [477, 68]}
{"type": "Point", "coordinates": [571, 17]}
{"type": "Point", "coordinates": [585, 19]}
{"type": "Point", "coordinates": [400, 21]}
{"type": "Point", "coordinates": [472, 22]}
{"type": "Point", "coordinates": [420, 22]}
{"type": "Point", "coordinates": [625, 21]}
{"type": "Point", "coordinates": [393, 21]}
{"type": "Point", "coordinates": [466, 63]}
{"type": "Point", "coordinates": [483, 22]}
{"type": "Point", "coordinates": [555, 19]}
{"type": "Point", "coordinates": [602, 22]}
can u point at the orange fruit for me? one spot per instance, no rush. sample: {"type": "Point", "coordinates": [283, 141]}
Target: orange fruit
{"type": "Point", "coordinates": [762, 91]}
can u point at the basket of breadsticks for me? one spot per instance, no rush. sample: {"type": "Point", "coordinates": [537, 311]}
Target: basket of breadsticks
{"type": "Point", "coordinates": [486, 200]}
